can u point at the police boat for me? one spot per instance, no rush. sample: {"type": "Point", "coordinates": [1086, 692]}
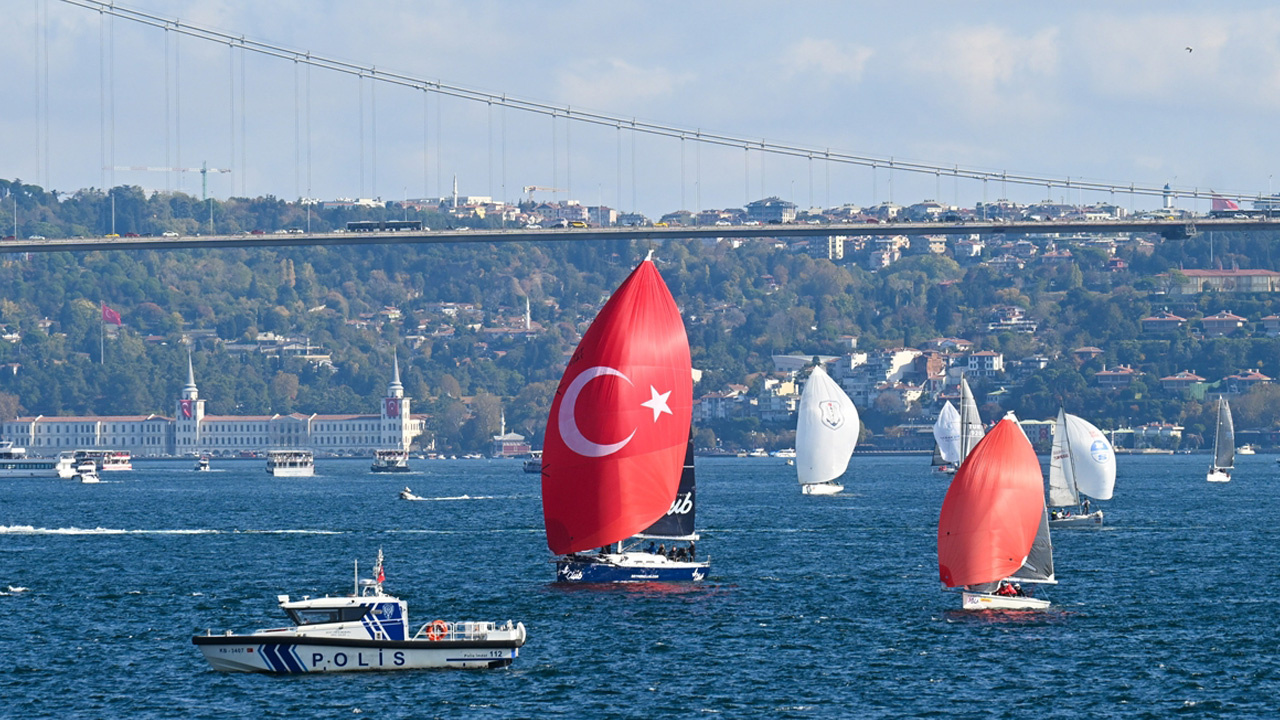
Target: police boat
{"type": "Point", "coordinates": [367, 630]}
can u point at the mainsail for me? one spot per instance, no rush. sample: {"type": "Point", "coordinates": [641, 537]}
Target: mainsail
{"type": "Point", "coordinates": [1224, 441]}
{"type": "Point", "coordinates": [826, 430]}
{"type": "Point", "coordinates": [946, 431]}
{"type": "Point", "coordinates": [618, 429]}
{"type": "Point", "coordinates": [678, 523]}
{"type": "Point", "coordinates": [970, 422]}
{"type": "Point", "coordinates": [1082, 461]}
{"type": "Point", "coordinates": [992, 511]}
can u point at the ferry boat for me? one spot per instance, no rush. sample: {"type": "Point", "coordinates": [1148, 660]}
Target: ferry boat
{"type": "Point", "coordinates": [106, 460]}
{"type": "Point", "coordinates": [290, 463]}
{"type": "Point", "coordinates": [367, 630]}
{"type": "Point", "coordinates": [15, 463]}
{"type": "Point", "coordinates": [391, 460]}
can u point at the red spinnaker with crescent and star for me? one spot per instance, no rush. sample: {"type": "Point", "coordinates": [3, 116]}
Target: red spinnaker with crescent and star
{"type": "Point", "coordinates": [992, 510]}
{"type": "Point", "coordinates": [619, 423]}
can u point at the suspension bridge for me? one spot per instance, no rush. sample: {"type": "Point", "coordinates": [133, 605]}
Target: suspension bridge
{"type": "Point", "coordinates": [530, 145]}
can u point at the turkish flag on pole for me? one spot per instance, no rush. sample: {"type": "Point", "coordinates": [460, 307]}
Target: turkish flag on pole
{"type": "Point", "coordinates": [110, 316]}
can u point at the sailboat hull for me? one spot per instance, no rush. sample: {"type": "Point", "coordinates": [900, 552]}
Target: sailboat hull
{"type": "Point", "coordinates": [827, 488]}
{"type": "Point", "coordinates": [1093, 519]}
{"type": "Point", "coordinates": [627, 567]}
{"type": "Point", "coordinates": [987, 601]}
{"type": "Point", "coordinates": [1218, 475]}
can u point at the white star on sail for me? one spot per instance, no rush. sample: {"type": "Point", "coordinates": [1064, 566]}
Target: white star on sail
{"type": "Point", "coordinates": [658, 403]}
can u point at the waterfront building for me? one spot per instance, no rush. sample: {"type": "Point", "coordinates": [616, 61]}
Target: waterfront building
{"type": "Point", "coordinates": [192, 431]}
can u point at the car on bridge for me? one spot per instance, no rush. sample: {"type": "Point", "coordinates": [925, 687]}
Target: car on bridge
{"type": "Point", "coordinates": [169, 233]}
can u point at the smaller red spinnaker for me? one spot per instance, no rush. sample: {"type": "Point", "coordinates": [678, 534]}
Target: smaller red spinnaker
{"type": "Point", "coordinates": [619, 423]}
{"type": "Point", "coordinates": [992, 510]}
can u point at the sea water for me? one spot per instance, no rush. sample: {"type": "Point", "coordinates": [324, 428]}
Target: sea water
{"type": "Point", "coordinates": [816, 607]}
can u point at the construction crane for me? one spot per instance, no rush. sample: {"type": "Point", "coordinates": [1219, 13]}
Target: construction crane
{"type": "Point", "coordinates": [204, 171]}
{"type": "Point", "coordinates": [531, 189]}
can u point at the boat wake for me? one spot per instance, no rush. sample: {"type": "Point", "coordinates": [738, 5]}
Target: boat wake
{"type": "Point", "coordinates": [14, 590]}
{"type": "Point", "coordinates": [458, 497]}
{"type": "Point", "coordinates": [32, 530]}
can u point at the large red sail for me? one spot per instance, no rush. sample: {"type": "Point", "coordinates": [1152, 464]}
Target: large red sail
{"type": "Point", "coordinates": [619, 423]}
{"type": "Point", "coordinates": [992, 510]}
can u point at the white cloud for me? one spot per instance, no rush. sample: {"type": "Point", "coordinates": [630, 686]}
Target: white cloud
{"type": "Point", "coordinates": [986, 72]}
{"type": "Point", "coordinates": [614, 83]}
{"type": "Point", "coordinates": [826, 57]}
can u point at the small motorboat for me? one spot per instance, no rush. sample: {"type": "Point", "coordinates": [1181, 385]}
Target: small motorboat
{"type": "Point", "coordinates": [87, 472]}
{"type": "Point", "coordinates": [366, 630]}
{"type": "Point", "coordinates": [202, 464]}
{"type": "Point", "coordinates": [407, 494]}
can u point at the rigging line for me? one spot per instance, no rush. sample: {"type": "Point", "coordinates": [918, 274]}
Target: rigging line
{"type": "Point", "coordinates": [231, 111]}
{"type": "Point", "coordinates": [308, 132]}
{"type": "Point", "coordinates": [361, 126]}
{"type": "Point", "coordinates": [177, 105]}
{"type": "Point", "coordinates": [864, 160]}
{"type": "Point", "coordinates": [168, 173]}
{"type": "Point", "coordinates": [297, 132]}
{"type": "Point", "coordinates": [36, 86]}
{"type": "Point", "coordinates": [244, 130]}
{"type": "Point", "coordinates": [426, 145]}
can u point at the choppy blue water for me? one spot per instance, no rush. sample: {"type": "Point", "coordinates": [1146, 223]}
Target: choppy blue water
{"type": "Point", "coordinates": [816, 607]}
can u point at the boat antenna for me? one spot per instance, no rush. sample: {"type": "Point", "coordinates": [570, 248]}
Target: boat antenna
{"type": "Point", "coordinates": [355, 590]}
{"type": "Point", "coordinates": [649, 257]}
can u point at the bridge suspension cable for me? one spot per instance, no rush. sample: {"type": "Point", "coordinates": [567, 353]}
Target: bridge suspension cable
{"type": "Point", "coordinates": [635, 125]}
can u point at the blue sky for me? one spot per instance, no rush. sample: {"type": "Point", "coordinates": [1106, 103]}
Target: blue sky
{"type": "Point", "coordinates": [1104, 91]}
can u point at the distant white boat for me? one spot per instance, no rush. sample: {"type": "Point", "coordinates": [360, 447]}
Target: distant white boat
{"type": "Point", "coordinates": [291, 463]}
{"type": "Point", "coordinates": [533, 463]}
{"type": "Point", "coordinates": [390, 460]}
{"type": "Point", "coordinates": [970, 422]}
{"type": "Point", "coordinates": [784, 453]}
{"type": "Point", "coordinates": [1246, 450]}
{"type": "Point", "coordinates": [107, 460]}
{"type": "Point", "coordinates": [15, 463]}
{"type": "Point", "coordinates": [1082, 463]}
{"type": "Point", "coordinates": [407, 494]}
{"type": "Point", "coordinates": [202, 464]}
{"type": "Point", "coordinates": [826, 433]}
{"type": "Point", "coordinates": [1224, 445]}
{"type": "Point", "coordinates": [87, 472]}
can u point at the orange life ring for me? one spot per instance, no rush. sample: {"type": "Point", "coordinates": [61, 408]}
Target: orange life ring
{"type": "Point", "coordinates": [437, 630]}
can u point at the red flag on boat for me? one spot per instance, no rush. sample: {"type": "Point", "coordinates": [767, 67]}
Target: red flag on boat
{"type": "Point", "coordinates": [110, 316]}
{"type": "Point", "coordinates": [992, 510]}
{"type": "Point", "coordinates": [619, 423]}
{"type": "Point", "coordinates": [382, 576]}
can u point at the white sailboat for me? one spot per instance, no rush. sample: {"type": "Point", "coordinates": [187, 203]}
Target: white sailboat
{"type": "Point", "coordinates": [1224, 445]}
{"type": "Point", "coordinates": [826, 434]}
{"type": "Point", "coordinates": [1082, 463]}
{"type": "Point", "coordinates": [970, 423]}
{"type": "Point", "coordinates": [946, 435]}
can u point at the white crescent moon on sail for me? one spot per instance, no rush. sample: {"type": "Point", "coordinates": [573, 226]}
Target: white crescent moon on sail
{"type": "Point", "coordinates": [568, 425]}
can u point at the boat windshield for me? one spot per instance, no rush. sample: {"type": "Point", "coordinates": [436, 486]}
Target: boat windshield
{"type": "Point", "coordinates": [317, 616]}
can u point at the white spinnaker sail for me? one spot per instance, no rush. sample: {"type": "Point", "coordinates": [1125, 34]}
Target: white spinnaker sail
{"type": "Point", "coordinates": [946, 431]}
{"type": "Point", "coordinates": [1083, 461]}
{"type": "Point", "coordinates": [827, 430]}
{"type": "Point", "coordinates": [970, 423]}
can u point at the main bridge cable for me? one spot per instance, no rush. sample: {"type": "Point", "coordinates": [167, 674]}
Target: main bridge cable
{"type": "Point", "coordinates": [636, 126]}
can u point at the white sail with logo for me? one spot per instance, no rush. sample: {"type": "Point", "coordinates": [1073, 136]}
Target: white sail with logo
{"type": "Point", "coordinates": [1082, 462]}
{"type": "Point", "coordinates": [826, 434]}
{"type": "Point", "coordinates": [946, 431]}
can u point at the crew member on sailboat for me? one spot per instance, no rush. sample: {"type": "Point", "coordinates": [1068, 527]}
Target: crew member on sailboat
{"type": "Point", "coordinates": [617, 437]}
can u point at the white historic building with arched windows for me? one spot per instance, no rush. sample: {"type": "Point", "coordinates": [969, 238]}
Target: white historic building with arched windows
{"type": "Point", "coordinates": [193, 432]}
